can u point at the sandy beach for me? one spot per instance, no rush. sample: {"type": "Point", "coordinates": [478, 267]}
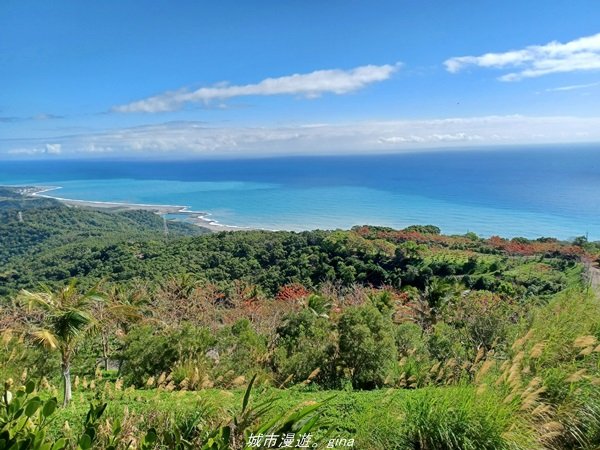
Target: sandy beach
{"type": "Point", "coordinates": [198, 218]}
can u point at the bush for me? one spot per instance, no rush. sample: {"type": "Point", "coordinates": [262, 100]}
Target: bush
{"type": "Point", "coordinates": [415, 362]}
{"type": "Point", "coordinates": [446, 342]}
{"type": "Point", "coordinates": [485, 318]}
{"type": "Point", "coordinates": [425, 229]}
{"type": "Point", "coordinates": [367, 348]}
{"type": "Point", "coordinates": [240, 350]}
{"type": "Point", "coordinates": [409, 339]}
{"type": "Point", "coordinates": [150, 352]}
{"type": "Point", "coordinates": [305, 343]}
{"type": "Point", "coordinates": [18, 359]}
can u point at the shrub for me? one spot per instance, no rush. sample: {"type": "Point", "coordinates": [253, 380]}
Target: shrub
{"type": "Point", "coordinates": [305, 343]}
{"type": "Point", "coordinates": [485, 318]}
{"type": "Point", "coordinates": [415, 363]}
{"type": "Point", "coordinates": [25, 418]}
{"type": "Point", "coordinates": [409, 339]}
{"type": "Point", "coordinates": [446, 342]}
{"type": "Point", "coordinates": [150, 352]}
{"type": "Point", "coordinates": [15, 356]}
{"type": "Point", "coordinates": [383, 301]}
{"type": "Point", "coordinates": [240, 349]}
{"type": "Point", "coordinates": [425, 229]}
{"type": "Point", "coordinates": [366, 345]}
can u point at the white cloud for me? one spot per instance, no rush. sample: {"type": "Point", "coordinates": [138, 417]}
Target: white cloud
{"type": "Point", "coordinates": [573, 87]}
{"type": "Point", "coordinates": [47, 149]}
{"type": "Point", "coordinates": [53, 149]}
{"type": "Point", "coordinates": [188, 139]}
{"type": "Point", "coordinates": [401, 139]}
{"type": "Point", "coordinates": [309, 85]}
{"type": "Point", "coordinates": [537, 60]}
{"type": "Point", "coordinates": [38, 117]}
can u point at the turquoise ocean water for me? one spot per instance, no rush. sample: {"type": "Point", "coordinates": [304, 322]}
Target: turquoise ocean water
{"type": "Point", "coordinates": [530, 192]}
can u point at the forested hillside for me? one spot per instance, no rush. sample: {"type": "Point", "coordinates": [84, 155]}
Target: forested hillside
{"type": "Point", "coordinates": [385, 339]}
{"type": "Point", "coordinates": [33, 229]}
{"type": "Point", "coordinates": [130, 246]}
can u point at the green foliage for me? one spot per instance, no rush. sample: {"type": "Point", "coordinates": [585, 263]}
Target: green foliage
{"type": "Point", "coordinates": [459, 419]}
{"type": "Point", "coordinates": [55, 233]}
{"type": "Point", "coordinates": [63, 319]}
{"type": "Point", "coordinates": [241, 350]}
{"type": "Point", "coordinates": [447, 342]}
{"type": "Point", "coordinates": [319, 310]}
{"type": "Point", "coordinates": [25, 418]}
{"type": "Point", "coordinates": [383, 301]}
{"type": "Point", "coordinates": [438, 292]}
{"type": "Point", "coordinates": [150, 351]}
{"type": "Point", "coordinates": [305, 343]}
{"type": "Point", "coordinates": [90, 427]}
{"type": "Point", "coordinates": [366, 346]}
{"type": "Point", "coordinates": [484, 318]}
{"type": "Point", "coordinates": [409, 339]}
{"type": "Point", "coordinates": [580, 414]}
{"type": "Point", "coordinates": [319, 305]}
{"type": "Point", "coordinates": [125, 246]}
{"type": "Point", "coordinates": [18, 356]}
{"type": "Point", "coordinates": [243, 433]}
{"type": "Point", "coordinates": [424, 229]}
{"type": "Point", "coordinates": [415, 362]}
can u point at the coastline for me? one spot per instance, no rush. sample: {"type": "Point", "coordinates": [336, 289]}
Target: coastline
{"type": "Point", "coordinates": [199, 218]}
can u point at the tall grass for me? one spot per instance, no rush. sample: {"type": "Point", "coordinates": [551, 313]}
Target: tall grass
{"type": "Point", "coordinates": [462, 418]}
{"type": "Point", "coordinates": [446, 418]}
{"type": "Point", "coordinates": [552, 375]}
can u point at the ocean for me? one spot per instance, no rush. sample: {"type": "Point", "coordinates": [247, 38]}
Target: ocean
{"type": "Point", "coordinates": [529, 192]}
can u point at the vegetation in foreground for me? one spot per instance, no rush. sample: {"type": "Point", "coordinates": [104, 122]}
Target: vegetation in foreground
{"type": "Point", "coordinates": [378, 338]}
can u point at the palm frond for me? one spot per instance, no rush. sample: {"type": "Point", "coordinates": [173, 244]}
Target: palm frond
{"type": "Point", "coordinates": [93, 295]}
{"type": "Point", "coordinates": [71, 323]}
{"type": "Point", "coordinates": [45, 338]}
{"type": "Point", "coordinates": [43, 300]}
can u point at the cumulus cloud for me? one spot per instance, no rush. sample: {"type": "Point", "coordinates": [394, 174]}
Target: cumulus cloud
{"type": "Point", "coordinates": [187, 139]}
{"type": "Point", "coordinates": [309, 85]}
{"type": "Point", "coordinates": [537, 60]}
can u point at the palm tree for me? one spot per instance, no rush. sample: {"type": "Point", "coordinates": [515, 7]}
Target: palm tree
{"type": "Point", "coordinates": [120, 308]}
{"type": "Point", "coordinates": [65, 321]}
{"type": "Point", "coordinates": [437, 293]}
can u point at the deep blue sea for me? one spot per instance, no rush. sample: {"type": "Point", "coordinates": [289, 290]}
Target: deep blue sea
{"type": "Point", "coordinates": [530, 192]}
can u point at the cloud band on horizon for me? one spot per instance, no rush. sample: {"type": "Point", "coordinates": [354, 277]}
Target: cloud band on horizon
{"type": "Point", "coordinates": [309, 85]}
{"type": "Point", "coordinates": [202, 140]}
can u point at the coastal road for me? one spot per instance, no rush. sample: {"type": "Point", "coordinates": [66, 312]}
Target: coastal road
{"type": "Point", "coordinates": [593, 276]}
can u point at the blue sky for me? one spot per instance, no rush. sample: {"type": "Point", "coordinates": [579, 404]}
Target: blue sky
{"type": "Point", "coordinates": [169, 79]}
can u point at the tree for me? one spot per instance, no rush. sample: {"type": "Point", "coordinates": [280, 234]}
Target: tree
{"type": "Point", "coordinates": [484, 317]}
{"type": "Point", "coordinates": [366, 345]}
{"type": "Point", "coordinates": [121, 307]}
{"type": "Point", "coordinates": [66, 319]}
{"type": "Point", "coordinates": [424, 229]}
{"type": "Point", "coordinates": [305, 343]}
{"type": "Point", "coordinates": [438, 292]}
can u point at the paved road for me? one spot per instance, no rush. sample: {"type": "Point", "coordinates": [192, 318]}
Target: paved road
{"type": "Point", "coordinates": [593, 276]}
